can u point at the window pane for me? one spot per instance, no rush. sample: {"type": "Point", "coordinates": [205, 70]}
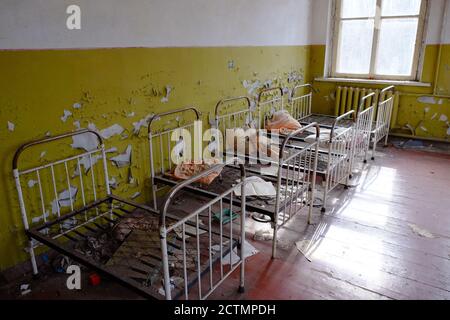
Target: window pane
{"type": "Point", "coordinates": [400, 7]}
{"type": "Point", "coordinates": [355, 46]}
{"type": "Point", "coordinates": [396, 46]}
{"type": "Point", "coordinates": [358, 8]}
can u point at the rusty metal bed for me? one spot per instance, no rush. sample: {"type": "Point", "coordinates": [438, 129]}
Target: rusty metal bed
{"type": "Point", "coordinates": [293, 191]}
{"type": "Point", "coordinates": [159, 254]}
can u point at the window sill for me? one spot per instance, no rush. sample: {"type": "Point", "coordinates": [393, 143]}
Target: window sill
{"type": "Point", "coordinates": [369, 81]}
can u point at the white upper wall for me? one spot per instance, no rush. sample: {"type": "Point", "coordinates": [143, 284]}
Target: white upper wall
{"type": "Point", "coordinates": [41, 24]}
{"type": "Point", "coordinates": [433, 34]}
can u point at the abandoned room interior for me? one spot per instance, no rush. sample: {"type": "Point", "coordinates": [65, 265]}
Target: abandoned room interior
{"type": "Point", "coordinates": [225, 150]}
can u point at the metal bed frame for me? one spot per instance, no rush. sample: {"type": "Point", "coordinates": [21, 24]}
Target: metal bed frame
{"type": "Point", "coordinates": [363, 127]}
{"type": "Point", "coordinates": [382, 124]}
{"type": "Point", "coordinates": [294, 188]}
{"type": "Point", "coordinates": [149, 256]}
{"type": "Point", "coordinates": [336, 158]}
{"type": "Point", "coordinates": [301, 109]}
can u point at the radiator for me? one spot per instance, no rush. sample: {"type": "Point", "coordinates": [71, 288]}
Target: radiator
{"type": "Point", "coordinates": [347, 98]}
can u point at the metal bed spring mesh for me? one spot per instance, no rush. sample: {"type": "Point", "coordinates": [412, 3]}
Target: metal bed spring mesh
{"type": "Point", "coordinates": [125, 243]}
{"type": "Point", "coordinates": [230, 175]}
{"type": "Point", "coordinates": [381, 127]}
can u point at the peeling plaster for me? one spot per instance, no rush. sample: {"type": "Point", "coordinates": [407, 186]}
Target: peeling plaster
{"type": "Point", "coordinates": [64, 199]}
{"type": "Point", "coordinates": [135, 195]}
{"type": "Point", "coordinates": [86, 141]}
{"type": "Point", "coordinates": [166, 98]}
{"type": "Point", "coordinates": [66, 115]}
{"type": "Point", "coordinates": [11, 126]}
{"type": "Point", "coordinates": [123, 159]}
{"type": "Point", "coordinates": [111, 131]}
{"type": "Point", "coordinates": [32, 183]}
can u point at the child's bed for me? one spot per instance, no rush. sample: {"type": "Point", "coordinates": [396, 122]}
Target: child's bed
{"type": "Point", "coordinates": [381, 126]}
{"type": "Point", "coordinates": [294, 189]}
{"type": "Point", "coordinates": [68, 206]}
{"type": "Point", "coordinates": [300, 107]}
{"type": "Point", "coordinates": [336, 142]}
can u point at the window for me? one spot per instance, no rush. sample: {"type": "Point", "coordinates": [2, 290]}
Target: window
{"type": "Point", "coordinates": [378, 39]}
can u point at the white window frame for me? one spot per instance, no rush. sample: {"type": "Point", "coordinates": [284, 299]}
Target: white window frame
{"type": "Point", "coordinates": [418, 53]}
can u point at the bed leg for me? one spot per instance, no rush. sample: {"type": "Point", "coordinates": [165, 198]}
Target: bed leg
{"type": "Point", "coordinates": [33, 260]}
{"type": "Point", "coordinates": [386, 140]}
{"type": "Point", "coordinates": [325, 195]}
{"type": "Point", "coordinates": [243, 217]}
{"type": "Point", "coordinates": [274, 241]}
{"type": "Point", "coordinates": [165, 262]}
{"type": "Point", "coordinates": [374, 148]}
{"type": "Point", "coordinates": [310, 213]}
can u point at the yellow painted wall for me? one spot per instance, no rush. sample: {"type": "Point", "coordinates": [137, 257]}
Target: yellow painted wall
{"type": "Point", "coordinates": [417, 114]}
{"type": "Point", "coordinates": [37, 86]}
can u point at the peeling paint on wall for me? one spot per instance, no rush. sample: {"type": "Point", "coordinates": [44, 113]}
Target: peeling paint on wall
{"type": "Point", "coordinates": [11, 126]}
{"type": "Point", "coordinates": [66, 115]}
{"type": "Point", "coordinates": [165, 99]}
{"type": "Point", "coordinates": [111, 131]}
{"type": "Point", "coordinates": [123, 159]}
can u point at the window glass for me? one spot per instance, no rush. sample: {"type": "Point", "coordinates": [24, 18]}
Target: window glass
{"type": "Point", "coordinates": [355, 46]}
{"type": "Point", "coordinates": [358, 8]}
{"type": "Point", "coordinates": [400, 7]}
{"type": "Point", "coordinates": [396, 46]}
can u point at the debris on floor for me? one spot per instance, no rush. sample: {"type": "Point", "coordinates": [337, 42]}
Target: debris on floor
{"type": "Point", "coordinates": [226, 213]}
{"type": "Point", "coordinates": [263, 235]}
{"type": "Point", "coordinates": [255, 186]}
{"type": "Point", "coordinates": [421, 232]}
{"type": "Point", "coordinates": [94, 279]}
{"type": "Point", "coordinates": [25, 289]}
{"type": "Point", "coordinates": [304, 246]}
{"type": "Point", "coordinates": [249, 251]}
{"type": "Point", "coordinates": [422, 145]}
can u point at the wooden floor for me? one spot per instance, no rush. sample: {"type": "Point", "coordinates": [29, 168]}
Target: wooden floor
{"type": "Point", "coordinates": [386, 238]}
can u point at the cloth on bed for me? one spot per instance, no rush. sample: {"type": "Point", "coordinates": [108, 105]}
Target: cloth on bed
{"type": "Point", "coordinates": [255, 144]}
{"type": "Point", "coordinates": [283, 121]}
{"type": "Point", "coordinates": [255, 186]}
{"type": "Point", "coordinates": [187, 170]}
{"type": "Point", "coordinates": [324, 137]}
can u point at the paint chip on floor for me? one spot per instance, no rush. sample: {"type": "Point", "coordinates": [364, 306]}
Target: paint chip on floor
{"type": "Point", "coordinates": [249, 251]}
{"type": "Point", "coordinates": [421, 232]}
{"type": "Point", "coordinates": [304, 246]}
